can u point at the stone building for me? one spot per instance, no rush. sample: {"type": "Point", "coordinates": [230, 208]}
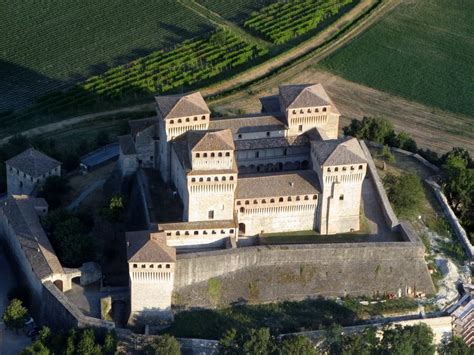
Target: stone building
{"type": "Point", "coordinates": [27, 170]}
{"type": "Point", "coordinates": [281, 170]}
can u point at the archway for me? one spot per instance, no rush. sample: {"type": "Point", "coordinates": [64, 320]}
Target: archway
{"type": "Point", "coordinates": [59, 284]}
{"type": "Point", "coordinates": [241, 228]}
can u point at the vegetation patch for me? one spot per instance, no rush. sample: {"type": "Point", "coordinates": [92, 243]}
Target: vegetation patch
{"type": "Point", "coordinates": [214, 290]}
{"type": "Point", "coordinates": [421, 51]}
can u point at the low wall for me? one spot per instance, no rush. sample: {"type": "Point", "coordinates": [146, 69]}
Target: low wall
{"type": "Point", "coordinates": [284, 272]}
{"type": "Point", "coordinates": [60, 313]}
{"type": "Point", "coordinates": [387, 209]}
{"type": "Point", "coordinates": [453, 220]}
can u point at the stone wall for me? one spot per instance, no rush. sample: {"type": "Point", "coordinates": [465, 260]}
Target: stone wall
{"type": "Point", "coordinates": [292, 272]}
{"type": "Point", "coordinates": [387, 209]}
{"type": "Point", "coordinates": [453, 220]}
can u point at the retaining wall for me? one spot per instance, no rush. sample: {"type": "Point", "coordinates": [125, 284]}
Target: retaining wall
{"type": "Point", "coordinates": [453, 220]}
{"type": "Point", "coordinates": [292, 272]}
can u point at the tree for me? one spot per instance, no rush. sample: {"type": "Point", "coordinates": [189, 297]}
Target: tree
{"type": "Point", "coordinates": [387, 155]}
{"type": "Point", "coordinates": [333, 339]}
{"type": "Point", "coordinates": [110, 343]}
{"type": "Point", "coordinates": [37, 348]}
{"type": "Point", "coordinates": [417, 339]}
{"type": "Point", "coordinates": [403, 141]}
{"type": "Point", "coordinates": [114, 212]}
{"type": "Point", "coordinates": [14, 316]}
{"type": "Point", "coordinates": [228, 344]}
{"type": "Point", "coordinates": [458, 183]}
{"type": "Point", "coordinates": [164, 345]}
{"type": "Point", "coordinates": [374, 129]}
{"type": "Point", "coordinates": [296, 346]}
{"type": "Point", "coordinates": [455, 346]}
{"type": "Point", "coordinates": [258, 341]}
{"type": "Point", "coordinates": [405, 192]}
{"type": "Point", "coordinates": [53, 189]}
{"type": "Point", "coordinates": [364, 343]}
{"type": "Point", "coordinates": [87, 344]}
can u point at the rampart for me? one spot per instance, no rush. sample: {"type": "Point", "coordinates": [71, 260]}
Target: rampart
{"type": "Point", "coordinates": [292, 272]}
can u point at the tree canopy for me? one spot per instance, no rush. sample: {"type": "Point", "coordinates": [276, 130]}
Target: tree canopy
{"type": "Point", "coordinates": [405, 192]}
{"type": "Point", "coordinates": [164, 345]}
{"type": "Point", "coordinates": [14, 315]}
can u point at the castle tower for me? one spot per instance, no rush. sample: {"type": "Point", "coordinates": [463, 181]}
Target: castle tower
{"type": "Point", "coordinates": [212, 180]}
{"type": "Point", "coordinates": [341, 167]}
{"type": "Point", "coordinates": [306, 107]}
{"type": "Point", "coordinates": [151, 265]}
{"type": "Point", "coordinates": [27, 170]}
{"type": "Point", "coordinates": [178, 114]}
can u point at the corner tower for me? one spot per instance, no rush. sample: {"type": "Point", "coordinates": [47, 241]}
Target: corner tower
{"type": "Point", "coordinates": [306, 107]}
{"type": "Point", "coordinates": [341, 167]}
{"type": "Point", "coordinates": [178, 114]}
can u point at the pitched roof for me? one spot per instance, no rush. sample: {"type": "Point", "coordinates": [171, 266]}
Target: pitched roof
{"type": "Point", "coordinates": [304, 182]}
{"type": "Point", "coordinates": [304, 95]}
{"type": "Point", "coordinates": [127, 146]}
{"type": "Point", "coordinates": [149, 247]}
{"type": "Point", "coordinates": [33, 162]}
{"type": "Point", "coordinates": [20, 212]}
{"type": "Point", "coordinates": [341, 151]}
{"type": "Point", "coordinates": [210, 140]}
{"type": "Point", "coordinates": [174, 106]}
{"type": "Point", "coordinates": [136, 126]}
{"type": "Point", "coordinates": [276, 142]}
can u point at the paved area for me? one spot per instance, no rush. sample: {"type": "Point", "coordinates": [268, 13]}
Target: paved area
{"type": "Point", "coordinates": [12, 343]}
{"type": "Point", "coordinates": [86, 298]}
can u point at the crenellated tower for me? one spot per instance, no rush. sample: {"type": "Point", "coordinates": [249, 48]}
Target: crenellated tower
{"type": "Point", "coordinates": [341, 167]}
{"type": "Point", "coordinates": [178, 114]}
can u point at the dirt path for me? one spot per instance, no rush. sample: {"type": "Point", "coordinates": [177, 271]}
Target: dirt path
{"type": "Point", "coordinates": [431, 128]}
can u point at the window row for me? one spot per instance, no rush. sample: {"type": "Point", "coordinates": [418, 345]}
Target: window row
{"type": "Point", "coordinates": [204, 232]}
{"type": "Point", "coordinates": [49, 173]}
{"type": "Point", "coordinates": [281, 199]}
{"type": "Point", "coordinates": [187, 119]}
{"type": "Point", "coordinates": [209, 179]}
{"type": "Point", "coordinates": [152, 266]}
{"type": "Point", "coordinates": [324, 109]}
{"type": "Point", "coordinates": [344, 168]}
{"type": "Point", "coordinates": [212, 155]}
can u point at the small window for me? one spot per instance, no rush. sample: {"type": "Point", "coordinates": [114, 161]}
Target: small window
{"type": "Point", "coordinates": [178, 233]}
{"type": "Point", "coordinates": [212, 155]}
{"type": "Point", "coordinates": [344, 168]}
{"type": "Point", "coordinates": [329, 170]}
{"type": "Point", "coordinates": [210, 214]}
{"type": "Point", "coordinates": [204, 155]}
{"type": "Point", "coordinates": [198, 155]}
{"type": "Point", "coordinates": [208, 179]}
{"type": "Point", "coordinates": [297, 198]}
{"type": "Point", "coordinates": [186, 233]}
{"type": "Point", "coordinates": [168, 266]}
{"type": "Point", "coordinates": [301, 111]}
{"type": "Point", "coordinates": [285, 151]}
{"type": "Point", "coordinates": [222, 231]}
{"type": "Point", "coordinates": [238, 203]}
{"type": "Point", "coordinates": [201, 179]}
{"type": "Point", "coordinates": [247, 202]}
{"type": "Point", "coordinates": [171, 121]}
{"type": "Point", "coordinates": [204, 232]}
{"type": "Point", "coordinates": [336, 169]}
{"type": "Point", "coordinates": [168, 234]}
{"type": "Point", "coordinates": [280, 199]}
{"type": "Point", "coordinates": [352, 168]}
{"type": "Point", "coordinates": [239, 136]}
{"type": "Point", "coordinates": [306, 198]}
{"type": "Point", "coordinates": [300, 128]}
{"type": "Point", "coordinates": [135, 266]}
{"type": "Point", "coordinates": [219, 154]}
{"type": "Point", "coordinates": [264, 201]}
{"type": "Point", "coordinates": [242, 209]}
{"type": "Point", "coordinates": [227, 154]}
{"type": "Point", "coordinates": [324, 109]}
{"type": "Point", "coordinates": [315, 197]}
{"type": "Point", "coordinates": [360, 167]}
{"type": "Point", "coordinates": [231, 231]}
{"type": "Point", "coordinates": [213, 232]}
{"type": "Point", "coordinates": [152, 266]}
{"type": "Point", "coordinates": [309, 110]}
{"type": "Point", "coordinates": [203, 118]}
{"type": "Point", "coordinates": [160, 266]}
{"type": "Point", "coordinates": [268, 134]}
{"type": "Point", "coordinates": [255, 202]}
{"type": "Point", "coordinates": [193, 180]}
{"type": "Point", "coordinates": [316, 109]}
{"type": "Point", "coordinates": [341, 198]}
{"type": "Point", "coordinates": [216, 179]}
{"type": "Point", "coordinates": [272, 200]}
{"type": "Point", "coordinates": [224, 178]}
{"type": "Point", "coordinates": [195, 118]}
{"type": "Point", "coordinates": [196, 232]}
{"type": "Point", "coordinates": [294, 112]}
{"type": "Point", "coordinates": [289, 198]}
{"type": "Point", "coordinates": [257, 154]}
{"type": "Point", "coordinates": [143, 266]}
{"type": "Point", "coordinates": [231, 178]}
{"type": "Point", "coordinates": [187, 119]}
{"type": "Point", "coordinates": [179, 121]}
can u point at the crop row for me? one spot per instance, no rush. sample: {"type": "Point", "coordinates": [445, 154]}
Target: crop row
{"type": "Point", "coordinates": [284, 20]}
{"type": "Point", "coordinates": [186, 65]}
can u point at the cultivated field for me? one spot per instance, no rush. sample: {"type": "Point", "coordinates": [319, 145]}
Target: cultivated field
{"type": "Point", "coordinates": [45, 44]}
{"type": "Point", "coordinates": [423, 51]}
{"type": "Point", "coordinates": [236, 10]}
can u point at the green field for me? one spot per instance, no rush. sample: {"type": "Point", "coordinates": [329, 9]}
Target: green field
{"type": "Point", "coordinates": [47, 44]}
{"type": "Point", "coordinates": [423, 51]}
{"type": "Point", "coordinates": [236, 10]}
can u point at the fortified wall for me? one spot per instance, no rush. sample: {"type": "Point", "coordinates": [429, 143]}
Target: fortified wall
{"type": "Point", "coordinates": [294, 272]}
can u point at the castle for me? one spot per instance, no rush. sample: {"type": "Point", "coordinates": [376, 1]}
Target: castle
{"type": "Point", "coordinates": [281, 170]}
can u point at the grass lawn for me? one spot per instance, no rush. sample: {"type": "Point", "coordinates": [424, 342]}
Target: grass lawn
{"type": "Point", "coordinates": [422, 51]}
{"type": "Point", "coordinates": [47, 44]}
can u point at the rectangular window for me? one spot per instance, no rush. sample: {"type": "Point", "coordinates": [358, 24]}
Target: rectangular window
{"type": "Point", "coordinates": [300, 128]}
{"type": "Point", "coordinates": [211, 215]}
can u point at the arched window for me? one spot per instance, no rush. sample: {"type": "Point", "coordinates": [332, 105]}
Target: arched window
{"type": "Point", "coordinates": [301, 111]}
{"type": "Point", "coordinates": [168, 266]}
{"type": "Point", "coordinates": [223, 178]}
{"type": "Point", "coordinates": [187, 119]}
{"type": "Point", "coordinates": [255, 202]}
{"type": "Point", "coordinates": [198, 155]}
{"type": "Point", "coordinates": [193, 179]}
{"type": "Point", "coordinates": [264, 201]}
{"type": "Point", "coordinates": [178, 233]}
{"type": "Point", "coordinates": [219, 154]}
{"type": "Point", "coordinates": [160, 266]}
{"type": "Point", "coordinates": [196, 232]}
{"type": "Point", "coordinates": [216, 178]}
{"type": "Point", "coordinates": [231, 178]}
{"type": "Point", "coordinates": [329, 170]}
{"type": "Point", "coordinates": [214, 232]}
{"type": "Point", "coordinates": [195, 118]}
{"type": "Point", "coordinates": [238, 203]}
{"type": "Point", "coordinates": [212, 155]}
{"type": "Point", "coordinates": [227, 154]}
{"type": "Point", "coordinates": [203, 118]}
{"type": "Point", "coordinates": [294, 112]}
{"type": "Point", "coordinates": [315, 197]}
{"type": "Point", "coordinates": [231, 231]}
{"type": "Point", "coordinates": [336, 169]}
{"type": "Point", "coordinates": [222, 231]}
{"type": "Point", "coordinates": [297, 198]}
{"type": "Point", "coordinates": [344, 168]}
{"type": "Point", "coordinates": [208, 179]}
{"type": "Point", "coordinates": [201, 179]}
{"type": "Point", "coordinates": [272, 200]}
{"type": "Point", "coordinates": [205, 155]}
{"type": "Point", "coordinates": [352, 167]}
{"type": "Point", "coordinates": [179, 121]}
{"type": "Point", "coordinates": [324, 109]}
{"type": "Point", "coordinates": [186, 233]}
{"type": "Point", "coordinates": [316, 110]}
{"type": "Point", "coordinates": [341, 198]}
{"type": "Point", "coordinates": [289, 198]}
{"type": "Point", "coordinates": [360, 167]}
{"type": "Point", "coordinates": [306, 198]}
{"type": "Point", "coordinates": [171, 121]}
{"type": "Point", "coordinates": [280, 199]}
{"type": "Point", "coordinates": [309, 110]}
